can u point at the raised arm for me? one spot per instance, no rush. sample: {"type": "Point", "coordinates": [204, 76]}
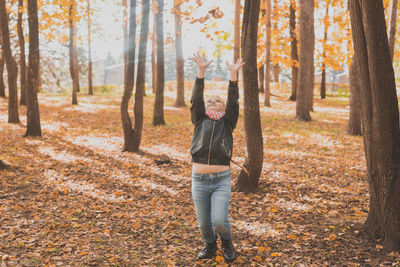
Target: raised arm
{"type": "Point", "coordinates": [232, 105]}
{"type": "Point", "coordinates": [197, 108]}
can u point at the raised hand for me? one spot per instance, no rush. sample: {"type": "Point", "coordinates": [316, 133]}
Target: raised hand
{"type": "Point", "coordinates": [202, 64]}
{"type": "Point", "coordinates": [234, 68]}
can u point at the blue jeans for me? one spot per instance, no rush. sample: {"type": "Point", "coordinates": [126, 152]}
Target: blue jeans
{"type": "Point", "coordinates": [211, 196]}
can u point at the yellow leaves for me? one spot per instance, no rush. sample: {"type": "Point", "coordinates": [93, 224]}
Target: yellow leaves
{"type": "Point", "coordinates": [276, 254]}
{"type": "Point", "coordinates": [264, 249]}
{"type": "Point", "coordinates": [332, 237]}
{"type": "Point", "coordinates": [274, 209]}
{"type": "Point", "coordinates": [292, 237]}
{"type": "Point", "coordinates": [219, 259]}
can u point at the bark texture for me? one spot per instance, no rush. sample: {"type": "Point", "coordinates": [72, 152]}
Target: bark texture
{"type": "Point", "coordinates": [73, 57]}
{"type": "Point", "coordinates": [306, 71]}
{"type": "Point", "coordinates": [293, 49]}
{"type": "Point", "coordinates": [267, 90]}
{"type": "Point", "coordinates": [11, 64]}
{"type": "Point", "coordinates": [180, 73]}
{"type": "Point", "coordinates": [392, 26]}
{"type": "Point", "coordinates": [380, 120]}
{"type": "Point", "coordinates": [141, 75]}
{"type": "Point", "coordinates": [154, 56]}
{"type": "Point", "coordinates": [129, 81]}
{"type": "Point", "coordinates": [22, 63]}
{"type": "Point", "coordinates": [90, 76]}
{"type": "Point", "coordinates": [2, 87]}
{"type": "Point", "coordinates": [32, 106]}
{"type": "Point", "coordinates": [261, 79]}
{"type": "Point", "coordinates": [252, 123]}
{"type": "Point", "coordinates": [125, 30]}
{"type": "Point", "coordinates": [158, 114]}
{"type": "Point", "coordinates": [322, 89]}
{"type": "Point", "coordinates": [354, 124]}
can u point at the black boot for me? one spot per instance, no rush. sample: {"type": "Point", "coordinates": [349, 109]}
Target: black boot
{"type": "Point", "coordinates": [208, 251]}
{"type": "Point", "coordinates": [229, 250]}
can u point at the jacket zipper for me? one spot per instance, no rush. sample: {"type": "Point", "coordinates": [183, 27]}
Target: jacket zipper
{"type": "Point", "coordinates": [209, 151]}
{"type": "Point", "coordinates": [226, 150]}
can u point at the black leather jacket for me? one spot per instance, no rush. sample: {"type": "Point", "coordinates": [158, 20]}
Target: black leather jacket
{"type": "Point", "coordinates": [212, 140]}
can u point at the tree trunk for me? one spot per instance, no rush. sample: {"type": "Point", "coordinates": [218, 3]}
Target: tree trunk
{"type": "Point", "coordinates": [32, 108]}
{"type": "Point", "coordinates": [380, 120]}
{"type": "Point", "coordinates": [276, 70]}
{"type": "Point", "coordinates": [323, 82]}
{"type": "Point", "coordinates": [90, 80]}
{"type": "Point", "coordinates": [306, 70]}
{"type": "Point", "coordinates": [72, 53]}
{"type": "Point", "coordinates": [39, 75]}
{"type": "Point", "coordinates": [22, 63]}
{"type": "Point", "coordinates": [267, 90]}
{"type": "Point", "coordinates": [354, 124]}
{"type": "Point", "coordinates": [323, 78]}
{"type": "Point", "coordinates": [261, 79]}
{"type": "Point", "coordinates": [180, 74]}
{"type": "Point", "coordinates": [141, 78]}
{"type": "Point", "coordinates": [11, 64]}
{"type": "Point", "coordinates": [158, 114]}
{"type": "Point", "coordinates": [125, 30]}
{"type": "Point", "coordinates": [293, 49]}
{"type": "Point", "coordinates": [392, 26]}
{"type": "Point", "coordinates": [154, 56]}
{"type": "Point", "coordinates": [129, 81]}
{"type": "Point", "coordinates": [2, 87]}
{"type": "Point", "coordinates": [236, 33]}
{"type": "Point", "coordinates": [252, 123]}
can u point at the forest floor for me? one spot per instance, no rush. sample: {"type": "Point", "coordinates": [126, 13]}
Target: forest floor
{"type": "Point", "coordinates": [72, 197]}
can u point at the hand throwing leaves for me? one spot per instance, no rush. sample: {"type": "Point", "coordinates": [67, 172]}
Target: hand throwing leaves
{"type": "Point", "coordinates": [201, 62]}
{"type": "Point", "coordinates": [235, 67]}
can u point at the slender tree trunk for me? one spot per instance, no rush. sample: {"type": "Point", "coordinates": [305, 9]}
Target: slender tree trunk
{"type": "Point", "coordinates": [380, 120]}
{"type": "Point", "coordinates": [125, 30]}
{"type": "Point", "coordinates": [180, 74]}
{"type": "Point", "coordinates": [323, 82]}
{"type": "Point", "coordinates": [252, 123]}
{"type": "Point", "coordinates": [158, 114]}
{"type": "Point", "coordinates": [154, 56]}
{"type": "Point", "coordinates": [21, 41]}
{"type": "Point", "coordinates": [261, 79]}
{"type": "Point", "coordinates": [129, 81]}
{"type": "Point", "coordinates": [392, 26]}
{"type": "Point", "coordinates": [293, 49]}
{"type": "Point", "coordinates": [32, 108]}
{"type": "Point", "coordinates": [90, 80]}
{"type": "Point", "coordinates": [72, 53]}
{"type": "Point", "coordinates": [306, 70]}
{"type": "Point", "coordinates": [141, 78]}
{"type": "Point", "coordinates": [276, 70]}
{"type": "Point", "coordinates": [267, 87]}
{"type": "Point", "coordinates": [11, 64]}
{"type": "Point", "coordinates": [2, 87]}
{"type": "Point", "coordinates": [354, 124]}
{"type": "Point", "coordinates": [236, 33]}
{"type": "Point", "coordinates": [323, 77]}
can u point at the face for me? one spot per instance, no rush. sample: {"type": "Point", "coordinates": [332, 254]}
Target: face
{"type": "Point", "coordinates": [215, 103]}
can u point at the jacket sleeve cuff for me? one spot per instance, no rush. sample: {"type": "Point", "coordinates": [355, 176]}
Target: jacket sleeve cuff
{"type": "Point", "coordinates": [199, 81]}
{"type": "Point", "coordinates": [233, 83]}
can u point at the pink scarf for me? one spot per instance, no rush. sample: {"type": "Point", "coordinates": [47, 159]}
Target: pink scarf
{"type": "Point", "coordinates": [214, 115]}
